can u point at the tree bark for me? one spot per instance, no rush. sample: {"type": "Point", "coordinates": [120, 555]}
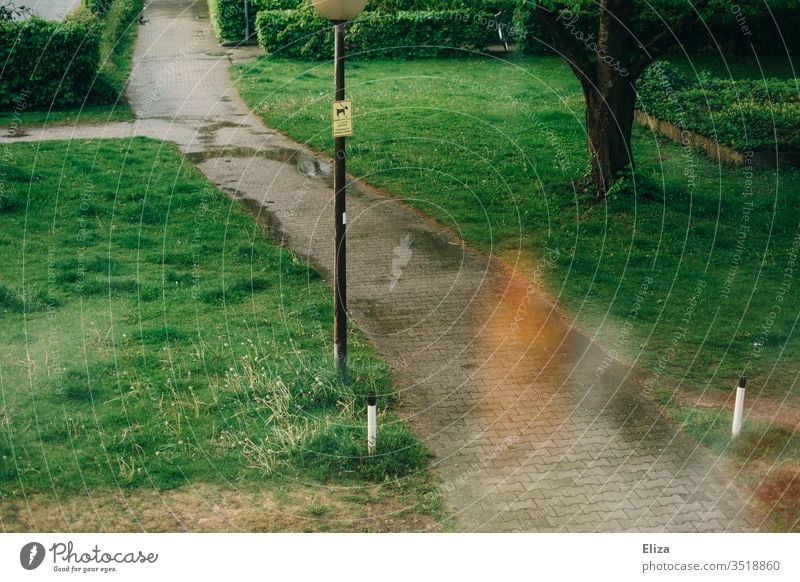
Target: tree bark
{"type": "Point", "coordinates": [609, 122]}
{"type": "Point", "coordinates": [611, 98]}
{"type": "Point", "coordinates": [607, 70]}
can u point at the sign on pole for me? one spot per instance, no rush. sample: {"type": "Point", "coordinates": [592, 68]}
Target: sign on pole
{"type": "Point", "coordinates": [342, 118]}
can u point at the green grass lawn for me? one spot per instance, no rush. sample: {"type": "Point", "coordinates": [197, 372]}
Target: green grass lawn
{"type": "Point", "coordinates": [692, 255]}
{"type": "Point", "coordinates": [153, 336]}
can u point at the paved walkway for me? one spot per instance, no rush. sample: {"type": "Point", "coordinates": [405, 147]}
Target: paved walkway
{"type": "Point", "coordinates": [527, 435]}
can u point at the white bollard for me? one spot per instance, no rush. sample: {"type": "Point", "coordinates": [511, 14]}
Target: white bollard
{"type": "Point", "coordinates": [372, 422]}
{"type": "Point", "coordinates": [738, 408]}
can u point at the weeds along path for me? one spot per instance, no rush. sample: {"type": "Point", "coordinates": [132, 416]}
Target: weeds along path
{"type": "Point", "coordinates": [526, 435]}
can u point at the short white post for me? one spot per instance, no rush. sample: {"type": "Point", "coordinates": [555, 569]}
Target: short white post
{"type": "Point", "coordinates": [372, 422]}
{"type": "Point", "coordinates": [738, 408]}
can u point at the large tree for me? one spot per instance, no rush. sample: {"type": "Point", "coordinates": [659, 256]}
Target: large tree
{"type": "Point", "coordinates": [609, 43]}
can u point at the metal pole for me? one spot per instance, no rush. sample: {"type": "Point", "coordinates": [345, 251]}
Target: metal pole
{"type": "Point", "coordinates": [340, 210]}
{"type": "Point", "coordinates": [246, 20]}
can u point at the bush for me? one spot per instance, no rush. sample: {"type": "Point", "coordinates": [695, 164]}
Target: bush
{"type": "Point", "coordinates": [227, 19]}
{"type": "Point", "coordinates": [49, 64]}
{"type": "Point", "coordinates": [293, 33]}
{"type": "Point", "coordinates": [277, 4]}
{"type": "Point", "coordinates": [115, 54]}
{"type": "Point", "coordinates": [419, 34]}
{"type": "Point", "coordinates": [745, 114]}
{"type": "Point", "coordinates": [304, 34]}
{"type": "Point", "coordinates": [227, 16]}
{"type": "Point", "coordinates": [477, 6]}
{"type": "Point", "coordinates": [534, 39]}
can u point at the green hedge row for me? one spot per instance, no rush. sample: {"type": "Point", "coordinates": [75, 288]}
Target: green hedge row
{"type": "Point", "coordinates": [304, 34]}
{"type": "Point", "coordinates": [227, 19]}
{"type": "Point", "coordinates": [53, 65]}
{"type": "Point", "coordinates": [745, 114]}
{"type": "Point", "coordinates": [228, 16]}
{"type": "Point", "coordinates": [478, 6]}
{"type": "Point", "coordinates": [49, 64]}
{"type": "Point", "coordinates": [115, 50]}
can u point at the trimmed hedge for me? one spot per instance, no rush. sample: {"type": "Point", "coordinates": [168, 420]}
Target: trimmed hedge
{"type": "Point", "coordinates": [52, 65]}
{"type": "Point", "coordinates": [227, 16]}
{"type": "Point", "coordinates": [478, 6]}
{"type": "Point", "coordinates": [49, 64]}
{"type": "Point", "coordinates": [227, 19]}
{"type": "Point", "coordinates": [745, 114]}
{"type": "Point", "coordinates": [417, 34]}
{"type": "Point", "coordinates": [306, 35]}
{"type": "Point", "coordinates": [278, 4]}
{"type": "Point", "coordinates": [534, 41]}
{"type": "Point", "coordinates": [115, 55]}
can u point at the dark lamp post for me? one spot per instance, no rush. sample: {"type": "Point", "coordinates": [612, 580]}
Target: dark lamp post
{"type": "Point", "coordinates": [340, 11]}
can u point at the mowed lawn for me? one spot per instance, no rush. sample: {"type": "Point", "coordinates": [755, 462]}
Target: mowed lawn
{"type": "Point", "coordinates": [153, 337]}
{"type": "Point", "coordinates": [695, 256]}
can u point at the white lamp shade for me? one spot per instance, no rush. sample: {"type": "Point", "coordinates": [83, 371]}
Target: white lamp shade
{"type": "Point", "coordinates": [339, 9]}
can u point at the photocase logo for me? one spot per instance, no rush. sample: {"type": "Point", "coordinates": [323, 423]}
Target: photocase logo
{"type": "Point", "coordinates": [31, 555]}
{"type": "Point", "coordinates": [402, 256]}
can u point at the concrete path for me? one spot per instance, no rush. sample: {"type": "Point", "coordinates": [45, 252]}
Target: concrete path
{"type": "Point", "coordinates": [533, 427]}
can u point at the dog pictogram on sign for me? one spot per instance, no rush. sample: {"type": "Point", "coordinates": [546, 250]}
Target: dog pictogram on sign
{"type": "Point", "coordinates": [342, 118]}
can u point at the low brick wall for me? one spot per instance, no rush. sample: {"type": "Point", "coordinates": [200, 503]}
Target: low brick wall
{"type": "Point", "coordinates": [715, 150]}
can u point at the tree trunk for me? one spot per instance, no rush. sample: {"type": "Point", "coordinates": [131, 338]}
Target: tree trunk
{"type": "Point", "coordinates": [610, 99]}
{"type": "Point", "coordinates": [609, 121]}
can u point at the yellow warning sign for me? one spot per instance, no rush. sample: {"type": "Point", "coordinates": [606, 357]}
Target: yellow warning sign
{"type": "Point", "coordinates": [342, 118]}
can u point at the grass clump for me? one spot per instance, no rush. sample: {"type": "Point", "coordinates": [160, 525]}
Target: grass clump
{"type": "Point", "coordinates": [341, 448]}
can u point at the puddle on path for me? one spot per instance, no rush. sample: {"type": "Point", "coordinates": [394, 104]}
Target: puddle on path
{"type": "Point", "coordinates": [306, 164]}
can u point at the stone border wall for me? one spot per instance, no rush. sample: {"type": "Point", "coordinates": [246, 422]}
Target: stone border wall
{"type": "Point", "coordinates": [716, 150]}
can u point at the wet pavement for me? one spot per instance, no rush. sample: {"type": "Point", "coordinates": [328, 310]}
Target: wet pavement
{"type": "Point", "coordinates": [532, 426]}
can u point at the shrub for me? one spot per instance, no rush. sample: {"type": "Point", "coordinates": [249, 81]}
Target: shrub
{"type": "Point", "coordinates": [227, 16]}
{"type": "Point", "coordinates": [477, 6]}
{"type": "Point", "coordinates": [418, 34]}
{"type": "Point", "coordinates": [534, 39]}
{"type": "Point", "coordinates": [49, 64]}
{"type": "Point", "coordinates": [277, 4]}
{"type": "Point", "coordinates": [227, 19]}
{"type": "Point", "coordinates": [304, 34]}
{"type": "Point", "coordinates": [114, 53]}
{"type": "Point", "coordinates": [294, 33]}
{"type": "Point", "coordinates": [745, 114]}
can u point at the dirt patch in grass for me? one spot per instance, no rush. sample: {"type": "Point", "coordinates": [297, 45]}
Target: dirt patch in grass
{"type": "Point", "coordinates": [780, 495]}
{"type": "Point", "coordinates": [219, 508]}
{"type": "Point", "coordinates": [763, 461]}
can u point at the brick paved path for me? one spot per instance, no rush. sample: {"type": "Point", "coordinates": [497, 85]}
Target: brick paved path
{"type": "Point", "coordinates": [527, 436]}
